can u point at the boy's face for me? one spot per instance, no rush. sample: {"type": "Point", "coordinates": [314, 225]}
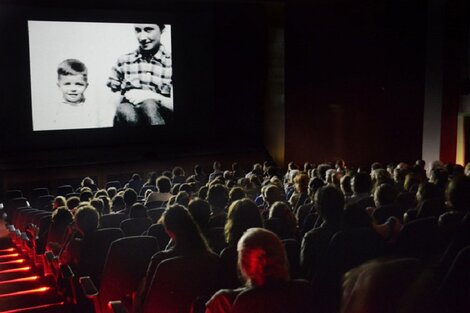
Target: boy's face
{"type": "Point", "coordinates": [72, 87]}
{"type": "Point", "coordinates": [148, 35]}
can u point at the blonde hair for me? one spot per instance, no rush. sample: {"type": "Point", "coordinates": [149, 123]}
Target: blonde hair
{"type": "Point", "coordinates": [262, 257]}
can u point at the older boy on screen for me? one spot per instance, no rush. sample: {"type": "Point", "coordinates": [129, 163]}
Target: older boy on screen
{"type": "Point", "coordinates": [143, 78]}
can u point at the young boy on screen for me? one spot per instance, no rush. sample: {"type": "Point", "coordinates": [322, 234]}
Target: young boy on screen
{"type": "Point", "coordinates": [73, 112]}
{"type": "Point", "coordinates": [143, 79]}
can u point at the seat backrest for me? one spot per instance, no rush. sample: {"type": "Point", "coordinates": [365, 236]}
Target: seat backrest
{"type": "Point", "coordinates": [348, 249]}
{"type": "Point", "coordinates": [158, 231]}
{"type": "Point", "coordinates": [293, 297]}
{"type": "Point", "coordinates": [94, 251]}
{"type": "Point", "coordinates": [12, 194]}
{"type": "Point", "coordinates": [112, 220]}
{"type": "Point", "coordinates": [145, 188]}
{"type": "Point", "coordinates": [12, 204]}
{"type": "Point", "coordinates": [418, 238]}
{"type": "Point", "coordinates": [44, 202]}
{"type": "Point", "coordinates": [135, 226]}
{"type": "Point", "coordinates": [37, 192]}
{"type": "Point", "coordinates": [64, 190]}
{"type": "Point", "coordinates": [155, 214]}
{"type": "Point", "coordinates": [216, 238]}
{"type": "Point", "coordinates": [125, 266]}
{"type": "Point", "coordinates": [113, 183]}
{"type": "Point", "coordinates": [179, 281]}
{"type": "Point", "coordinates": [292, 247]}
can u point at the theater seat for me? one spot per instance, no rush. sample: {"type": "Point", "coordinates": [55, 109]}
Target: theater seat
{"type": "Point", "coordinates": [135, 226]}
{"type": "Point", "coordinates": [94, 252]}
{"type": "Point", "coordinates": [125, 266]}
{"type": "Point", "coordinates": [112, 220]}
{"type": "Point", "coordinates": [293, 297]}
{"type": "Point", "coordinates": [179, 281]}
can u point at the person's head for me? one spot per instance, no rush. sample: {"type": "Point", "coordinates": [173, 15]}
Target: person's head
{"type": "Point", "coordinates": [87, 219]}
{"type": "Point", "coordinates": [345, 184]}
{"type": "Point", "coordinates": [182, 198]}
{"type": "Point", "coordinates": [301, 182]}
{"type": "Point", "coordinates": [217, 196]}
{"type": "Point", "coordinates": [138, 210]}
{"type": "Point", "coordinates": [148, 35]}
{"type": "Point", "coordinates": [330, 204]}
{"type": "Point", "coordinates": [86, 195]}
{"type": "Point", "coordinates": [73, 202]}
{"type": "Point", "coordinates": [427, 191]}
{"type": "Point", "coordinates": [273, 193]}
{"type": "Point", "coordinates": [151, 178]}
{"type": "Point", "coordinates": [177, 171]}
{"type": "Point", "coordinates": [313, 185]}
{"type": "Point", "coordinates": [200, 211]}
{"type": "Point", "coordinates": [384, 194]}
{"type": "Point", "coordinates": [106, 203]}
{"type": "Point", "coordinates": [118, 203]}
{"type": "Point", "coordinates": [112, 191]}
{"type": "Point", "coordinates": [58, 202]}
{"type": "Point", "coordinates": [72, 80]}
{"type": "Point", "coordinates": [458, 193]}
{"type": "Point", "coordinates": [361, 183]}
{"type": "Point", "coordinates": [216, 166]}
{"type": "Point", "coordinates": [386, 286]}
{"type": "Point", "coordinates": [130, 197]}
{"type": "Point", "coordinates": [181, 227]}
{"type": "Point", "coordinates": [62, 215]}
{"type": "Point", "coordinates": [262, 258]}
{"type": "Point", "coordinates": [242, 214]}
{"type": "Point", "coordinates": [98, 204]}
{"type": "Point", "coordinates": [198, 169]}
{"type": "Point", "coordinates": [236, 193]}
{"type": "Point", "coordinates": [163, 184]}
{"type": "Point", "coordinates": [136, 177]}
{"type": "Point", "coordinates": [283, 212]}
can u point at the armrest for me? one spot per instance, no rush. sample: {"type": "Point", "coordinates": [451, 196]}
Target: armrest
{"type": "Point", "coordinates": [88, 287]}
{"type": "Point", "coordinates": [117, 307]}
{"type": "Point", "coordinates": [66, 272]}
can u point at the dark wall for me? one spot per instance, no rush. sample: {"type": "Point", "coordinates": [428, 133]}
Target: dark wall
{"type": "Point", "coordinates": [354, 80]}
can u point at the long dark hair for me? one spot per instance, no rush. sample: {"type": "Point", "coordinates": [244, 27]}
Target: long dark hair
{"type": "Point", "coordinates": [187, 235]}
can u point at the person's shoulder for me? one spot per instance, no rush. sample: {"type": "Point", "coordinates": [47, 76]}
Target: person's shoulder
{"type": "Point", "coordinates": [126, 58]}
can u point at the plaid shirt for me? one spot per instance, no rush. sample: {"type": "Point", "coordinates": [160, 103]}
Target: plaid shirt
{"type": "Point", "coordinates": [135, 71]}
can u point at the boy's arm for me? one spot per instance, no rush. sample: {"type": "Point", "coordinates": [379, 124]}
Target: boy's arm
{"type": "Point", "coordinates": [136, 96]}
{"type": "Point", "coordinates": [115, 79]}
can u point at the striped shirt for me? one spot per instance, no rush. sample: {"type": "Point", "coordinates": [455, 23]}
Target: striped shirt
{"type": "Point", "coordinates": [135, 71]}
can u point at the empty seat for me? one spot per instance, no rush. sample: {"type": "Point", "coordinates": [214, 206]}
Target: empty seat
{"type": "Point", "coordinates": [12, 194]}
{"type": "Point", "coordinates": [94, 252]}
{"type": "Point", "coordinates": [113, 183]}
{"type": "Point", "coordinates": [44, 202]}
{"type": "Point", "coordinates": [64, 190]}
{"type": "Point", "coordinates": [125, 266]}
{"type": "Point", "coordinates": [37, 192]}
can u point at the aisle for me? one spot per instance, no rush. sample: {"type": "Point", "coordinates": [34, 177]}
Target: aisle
{"type": "Point", "coordinates": [22, 287]}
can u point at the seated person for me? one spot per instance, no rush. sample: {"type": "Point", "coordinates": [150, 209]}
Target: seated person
{"type": "Point", "coordinates": [263, 264]}
{"type": "Point", "coordinates": [86, 221]}
{"type": "Point", "coordinates": [143, 80]}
